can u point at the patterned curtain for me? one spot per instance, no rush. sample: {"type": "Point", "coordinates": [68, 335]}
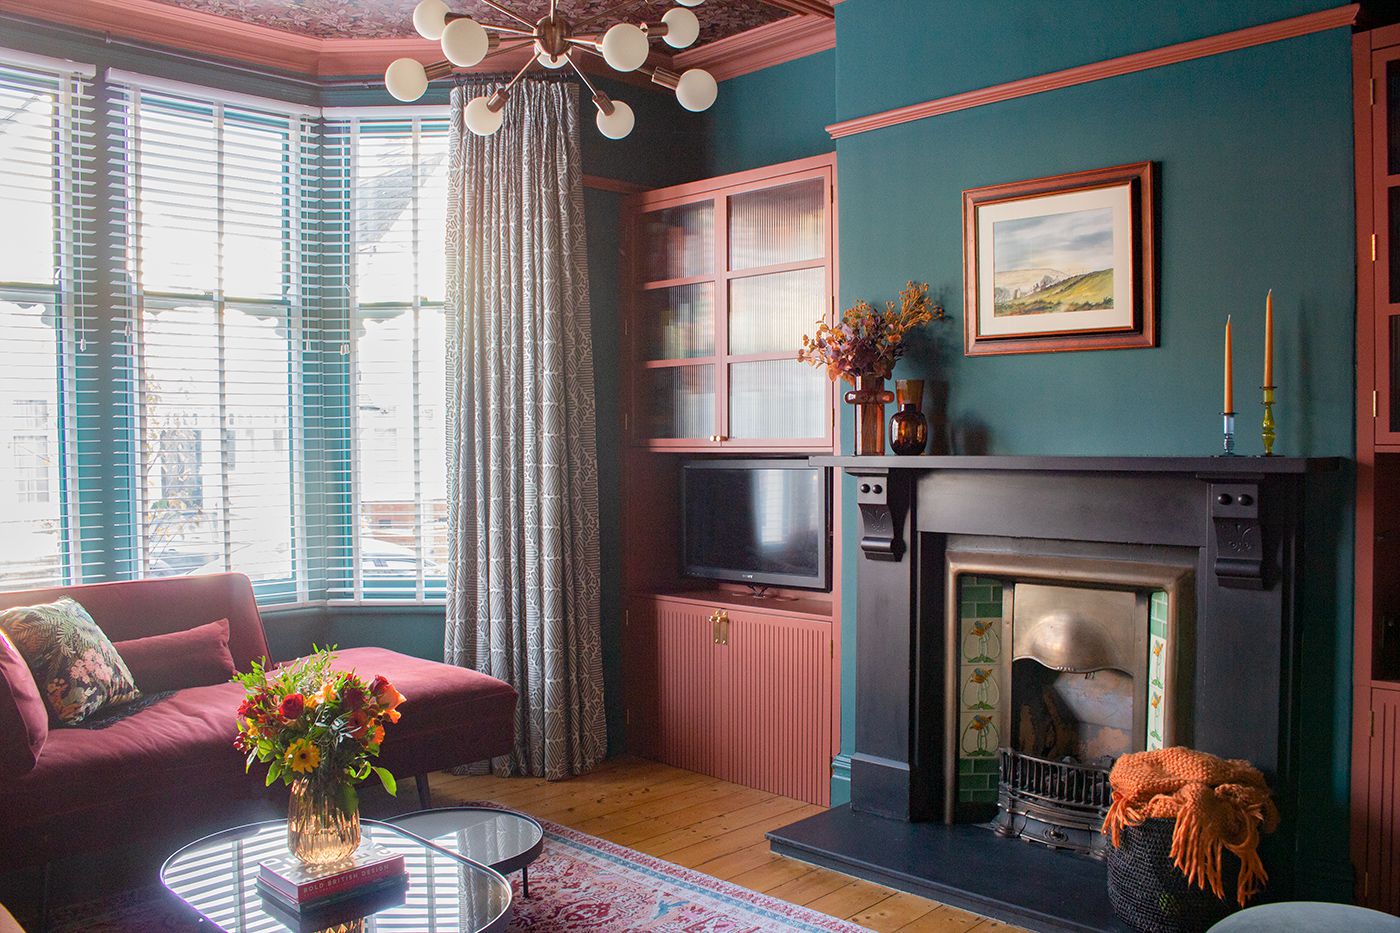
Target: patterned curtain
{"type": "Point", "coordinates": [523, 569]}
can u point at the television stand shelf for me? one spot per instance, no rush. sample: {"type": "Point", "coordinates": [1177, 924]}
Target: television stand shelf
{"type": "Point", "coordinates": [817, 607]}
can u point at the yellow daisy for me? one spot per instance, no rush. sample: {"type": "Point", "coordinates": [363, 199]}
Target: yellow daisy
{"type": "Point", "coordinates": [303, 756]}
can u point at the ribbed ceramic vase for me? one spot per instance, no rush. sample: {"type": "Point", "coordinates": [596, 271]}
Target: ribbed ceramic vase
{"type": "Point", "coordinates": [319, 829]}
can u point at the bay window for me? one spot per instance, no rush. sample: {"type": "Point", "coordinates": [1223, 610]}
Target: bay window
{"type": "Point", "coordinates": [45, 285]}
{"type": "Point", "coordinates": [256, 380]}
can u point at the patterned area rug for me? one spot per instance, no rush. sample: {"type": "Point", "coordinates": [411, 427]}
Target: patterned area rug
{"type": "Point", "coordinates": [580, 882]}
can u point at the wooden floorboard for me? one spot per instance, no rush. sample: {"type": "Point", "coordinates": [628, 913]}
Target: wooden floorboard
{"type": "Point", "coordinates": [711, 826]}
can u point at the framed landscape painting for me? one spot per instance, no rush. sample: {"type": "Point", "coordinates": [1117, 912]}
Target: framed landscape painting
{"type": "Point", "coordinates": [1061, 263]}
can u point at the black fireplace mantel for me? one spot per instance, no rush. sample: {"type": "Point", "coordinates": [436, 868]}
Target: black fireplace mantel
{"type": "Point", "coordinates": [1237, 522]}
{"type": "Point", "coordinates": [1264, 466]}
{"type": "Point", "coordinates": [1232, 495]}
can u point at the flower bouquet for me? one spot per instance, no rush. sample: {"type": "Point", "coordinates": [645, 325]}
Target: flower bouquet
{"type": "Point", "coordinates": [319, 731]}
{"type": "Point", "coordinates": [862, 348]}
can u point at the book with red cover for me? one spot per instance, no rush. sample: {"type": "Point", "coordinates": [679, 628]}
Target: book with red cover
{"type": "Point", "coordinates": [302, 885]}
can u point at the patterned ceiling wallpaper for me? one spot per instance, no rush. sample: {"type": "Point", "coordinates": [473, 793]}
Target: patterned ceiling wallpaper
{"type": "Point", "coordinates": [381, 19]}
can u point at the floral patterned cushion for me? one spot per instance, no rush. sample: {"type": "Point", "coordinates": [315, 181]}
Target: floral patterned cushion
{"type": "Point", "coordinates": [72, 660]}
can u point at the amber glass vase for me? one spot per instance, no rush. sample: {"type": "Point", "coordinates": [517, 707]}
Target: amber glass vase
{"type": "Point", "coordinates": [320, 829]}
{"type": "Point", "coordinates": [869, 399]}
{"type": "Point", "coordinates": [909, 426]}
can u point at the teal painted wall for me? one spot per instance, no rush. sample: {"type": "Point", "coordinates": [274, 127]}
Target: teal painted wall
{"type": "Point", "coordinates": [1254, 149]}
{"type": "Point", "coordinates": [774, 115]}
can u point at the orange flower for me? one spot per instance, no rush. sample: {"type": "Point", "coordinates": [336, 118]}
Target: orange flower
{"type": "Point", "coordinates": [392, 715]}
{"type": "Point", "coordinates": [359, 723]}
{"type": "Point", "coordinates": [377, 736]}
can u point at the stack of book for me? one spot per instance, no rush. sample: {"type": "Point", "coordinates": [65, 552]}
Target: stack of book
{"type": "Point", "coordinates": [372, 877]}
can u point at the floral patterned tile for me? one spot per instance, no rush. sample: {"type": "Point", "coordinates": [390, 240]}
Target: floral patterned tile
{"type": "Point", "coordinates": [382, 19]}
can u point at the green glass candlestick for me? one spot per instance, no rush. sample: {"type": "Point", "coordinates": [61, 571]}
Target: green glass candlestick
{"type": "Point", "coordinates": [1268, 429]}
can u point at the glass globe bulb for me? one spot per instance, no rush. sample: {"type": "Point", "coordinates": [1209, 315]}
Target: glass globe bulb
{"type": "Point", "coordinates": [430, 18]}
{"type": "Point", "coordinates": [406, 79]}
{"type": "Point", "coordinates": [697, 90]}
{"type": "Point", "coordinates": [619, 123]}
{"type": "Point", "coordinates": [465, 43]}
{"type": "Point", "coordinates": [625, 47]}
{"type": "Point", "coordinates": [682, 27]}
{"type": "Point", "coordinates": [481, 119]}
{"type": "Point", "coordinates": [547, 60]}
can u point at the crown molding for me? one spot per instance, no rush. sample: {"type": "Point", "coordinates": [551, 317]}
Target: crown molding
{"type": "Point", "coordinates": [761, 47]}
{"type": "Point", "coordinates": [1109, 68]}
{"type": "Point", "coordinates": [188, 30]}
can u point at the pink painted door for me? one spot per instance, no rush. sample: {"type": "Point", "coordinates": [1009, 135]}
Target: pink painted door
{"type": "Point", "coordinates": [779, 693]}
{"type": "Point", "coordinates": [692, 722]}
{"type": "Point", "coordinates": [1379, 884]}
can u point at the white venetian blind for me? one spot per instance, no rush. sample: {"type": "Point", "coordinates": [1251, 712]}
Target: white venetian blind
{"type": "Point", "coordinates": [46, 307]}
{"type": "Point", "coordinates": [209, 205]}
{"type": "Point", "coordinates": [383, 315]}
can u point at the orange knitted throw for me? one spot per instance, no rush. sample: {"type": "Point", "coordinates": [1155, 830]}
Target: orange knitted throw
{"type": "Point", "coordinates": [1217, 805]}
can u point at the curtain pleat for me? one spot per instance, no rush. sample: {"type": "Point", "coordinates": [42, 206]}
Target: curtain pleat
{"type": "Point", "coordinates": [523, 567]}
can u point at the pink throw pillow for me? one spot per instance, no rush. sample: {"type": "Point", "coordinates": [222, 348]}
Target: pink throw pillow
{"type": "Point", "coordinates": [24, 719]}
{"type": "Point", "coordinates": [196, 657]}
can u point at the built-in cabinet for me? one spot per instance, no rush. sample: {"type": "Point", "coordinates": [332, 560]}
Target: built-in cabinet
{"type": "Point", "coordinates": [728, 276]}
{"type": "Point", "coordinates": [742, 694]}
{"type": "Point", "coordinates": [1375, 798]}
{"type": "Point", "coordinates": [724, 276]}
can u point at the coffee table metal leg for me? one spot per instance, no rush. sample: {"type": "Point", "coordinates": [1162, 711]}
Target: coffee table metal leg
{"type": "Point", "coordinates": [525, 881]}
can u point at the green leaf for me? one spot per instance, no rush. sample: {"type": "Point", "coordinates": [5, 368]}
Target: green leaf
{"type": "Point", "coordinates": [272, 771]}
{"type": "Point", "coordinates": [349, 797]}
{"type": "Point", "coordinates": [388, 781]}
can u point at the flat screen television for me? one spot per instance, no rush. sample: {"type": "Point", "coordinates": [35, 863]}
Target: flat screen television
{"type": "Point", "coordinates": [762, 522]}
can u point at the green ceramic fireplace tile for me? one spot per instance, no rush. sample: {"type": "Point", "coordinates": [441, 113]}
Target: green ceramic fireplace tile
{"type": "Point", "coordinates": [1158, 614]}
{"type": "Point", "coordinates": [983, 765]}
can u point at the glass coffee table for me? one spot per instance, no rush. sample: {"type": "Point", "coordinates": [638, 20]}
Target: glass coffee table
{"type": "Point", "coordinates": [502, 839]}
{"type": "Point", "coordinates": [446, 892]}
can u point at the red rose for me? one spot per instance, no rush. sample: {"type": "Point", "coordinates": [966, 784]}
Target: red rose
{"type": "Point", "coordinates": [352, 698]}
{"type": "Point", "coordinates": [380, 683]}
{"type": "Point", "coordinates": [245, 709]}
{"type": "Point", "coordinates": [293, 705]}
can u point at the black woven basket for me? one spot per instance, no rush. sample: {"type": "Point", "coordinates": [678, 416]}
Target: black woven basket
{"type": "Point", "coordinates": [1151, 895]}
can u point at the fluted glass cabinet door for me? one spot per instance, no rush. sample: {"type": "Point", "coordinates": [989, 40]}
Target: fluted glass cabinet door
{"type": "Point", "coordinates": [679, 401]}
{"type": "Point", "coordinates": [1386, 252]}
{"type": "Point", "coordinates": [776, 399]}
{"type": "Point", "coordinates": [679, 242]}
{"type": "Point", "coordinates": [728, 275]}
{"type": "Point", "coordinates": [770, 313]}
{"type": "Point", "coordinates": [678, 322]}
{"type": "Point", "coordinates": [778, 225]}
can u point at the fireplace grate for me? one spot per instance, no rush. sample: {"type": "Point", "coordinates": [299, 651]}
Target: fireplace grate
{"type": "Point", "coordinates": [1061, 804]}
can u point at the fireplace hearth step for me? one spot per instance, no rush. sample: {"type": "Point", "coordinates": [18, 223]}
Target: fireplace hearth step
{"type": "Point", "coordinates": [965, 865]}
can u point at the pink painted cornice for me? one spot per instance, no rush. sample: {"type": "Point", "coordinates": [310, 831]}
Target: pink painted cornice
{"type": "Point", "coordinates": [190, 30]}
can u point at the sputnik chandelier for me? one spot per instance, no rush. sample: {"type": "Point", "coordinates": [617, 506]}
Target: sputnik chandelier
{"type": "Point", "coordinates": [557, 43]}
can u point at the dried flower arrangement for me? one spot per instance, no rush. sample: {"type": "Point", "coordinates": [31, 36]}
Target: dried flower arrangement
{"type": "Point", "coordinates": [867, 342]}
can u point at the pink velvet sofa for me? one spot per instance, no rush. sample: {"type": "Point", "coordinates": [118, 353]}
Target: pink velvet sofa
{"type": "Point", "coordinates": [172, 765]}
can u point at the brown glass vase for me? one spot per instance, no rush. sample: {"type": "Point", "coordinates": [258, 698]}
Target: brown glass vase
{"type": "Point", "coordinates": [909, 426]}
{"type": "Point", "coordinates": [320, 829]}
{"type": "Point", "coordinates": [869, 399]}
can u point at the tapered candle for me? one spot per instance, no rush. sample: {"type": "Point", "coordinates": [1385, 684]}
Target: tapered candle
{"type": "Point", "coordinates": [1229, 371]}
{"type": "Point", "coordinates": [1269, 339]}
